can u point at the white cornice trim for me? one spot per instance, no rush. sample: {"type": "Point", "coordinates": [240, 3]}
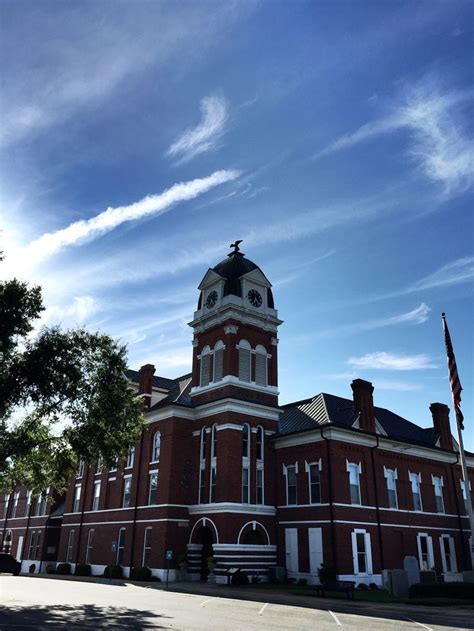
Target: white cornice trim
{"type": "Point", "coordinates": [239, 407]}
{"type": "Point", "coordinates": [240, 547]}
{"type": "Point", "coordinates": [235, 381]}
{"type": "Point", "coordinates": [231, 507]}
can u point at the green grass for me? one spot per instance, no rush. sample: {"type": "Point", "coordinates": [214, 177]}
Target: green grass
{"type": "Point", "coordinates": [370, 595]}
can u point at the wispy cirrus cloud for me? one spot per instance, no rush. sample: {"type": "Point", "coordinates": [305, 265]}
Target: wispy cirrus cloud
{"type": "Point", "coordinates": [381, 360]}
{"type": "Point", "coordinates": [439, 140]}
{"type": "Point", "coordinates": [88, 229]}
{"type": "Point", "coordinates": [205, 136]}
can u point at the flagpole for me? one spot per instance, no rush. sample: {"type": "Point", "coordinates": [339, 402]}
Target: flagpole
{"type": "Point", "coordinates": [465, 474]}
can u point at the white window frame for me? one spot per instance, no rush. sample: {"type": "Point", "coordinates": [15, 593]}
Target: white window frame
{"type": "Point", "coordinates": [127, 484]}
{"type": "Point", "coordinates": [246, 441]}
{"type": "Point", "coordinates": [90, 544]}
{"type": "Point", "coordinates": [153, 473]}
{"type": "Point", "coordinates": [202, 465]}
{"type": "Point", "coordinates": [429, 548]}
{"type": "Point", "coordinates": [156, 448]}
{"type": "Point", "coordinates": [391, 475]}
{"type": "Point", "coordinates": [260, 471]}
{"type": "Point", "coordinates": [261, 353]}
{"type": "Point", "coordinates": [260, 439]}
{"type": "Point", "coordinates": [120, 548]}
{"type": "Point", "coordinates": [416, 477]}
{"type": "Point", "coordinates": [213, 478]}
{"type": "Point", "coordinates": [218, 352]}
{"type": "Point", "coordinates": [246, 495]}
{"type": "Point", "coordinates": [80, 469]}
{"type": "Point", "coordinates": [438, 484]}
{"type": "Point", "coordinates": [70, 546]}
{"type": "Point", "coordinates": [16, 497]}
{"type": "Point", "coordinates": [355, 467]}
{"type": "Point", "coordinates": [368, 552]}
{"type": "Point", "coordinates": [285, 473]}
{"type": "Point", "coordinates": [77, 498]}
{"type": "Point", "coordinates": [452, 554]}
{"type": "Point", "coordinates": [32, 546]}
{"type": "Point", "coordinates": [307, 466]}
{"type": "Point", "coordinates": [214, 442]}
{"type": "Point", "coordinates": [464, 494]}
{"type": "Point", "coordinates": [205, 367]}
{"type": "Point", "coordinates": [146, 544]}
{"type": "Point", "coordinates": [130, 457]}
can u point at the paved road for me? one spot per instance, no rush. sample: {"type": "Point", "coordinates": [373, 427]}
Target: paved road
{"type": "Point", "coordinates": [32, 603]}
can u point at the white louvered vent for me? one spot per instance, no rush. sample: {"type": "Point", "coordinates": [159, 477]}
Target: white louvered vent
{"type": "Point", "coordinates": [218, 364]}
{"type": "Point", "coordinates": [261, 369]}
{"type": "Point", "coordinates": [244, 364]}
{"type": "Point", "coordinates": [205, 366]}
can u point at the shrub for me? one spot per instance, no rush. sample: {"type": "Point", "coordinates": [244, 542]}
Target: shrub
{"type": "Point", "coordinates": [63, 568]}
{"type": "Point", "coordinates": [50, 569]}
{"type": "Point", "coordinates": [83, 569]}
{"type": "Point", "coordinates": [255, 580]}
{"type": "Point", "coordinates": [373, 586]}
{"type": "Point", "coordinates": [302, 581]}
{"type": "Point", "coordinates": [326, 574]}
{"type": "Point", "coordinates": [140, 574]}
{"type": "Point", "coordinates": [442, 590]}
{"type": "Point", "coordinates": [240, 579]}
{"type": "Point", "coordinates": [362, 586]}
{"type": "Point", "coordinates": [113, 571]}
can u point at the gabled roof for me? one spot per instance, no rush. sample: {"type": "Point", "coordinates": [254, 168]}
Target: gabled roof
{"type": "Point", "coordinates": [328, 409]}
{"type": "Point", "coordinates": [179, 394]}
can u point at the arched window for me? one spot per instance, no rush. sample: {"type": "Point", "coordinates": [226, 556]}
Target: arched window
{"type": "Point", "coordinates": [155, 454]}
{"type": "Point", "coordinates": [260, 439]}
{"type": "Point", "coordinates": [245, 440]}
{"type": "Point", "coordinates": [203, 444]}
{"type": "Point", "coordinates": [244, 361]}
{"type": "Point", "coordinates": [218, 361]}
{"type": "Point", "coordinates": [214, 442]}
{"type": "Point", "coordinates": [261, 365]}
{"type": "Point", "coordinates": [205, 366]}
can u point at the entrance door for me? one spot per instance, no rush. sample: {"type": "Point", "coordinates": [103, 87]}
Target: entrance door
{"type": "Point", "coordinates": [291, 548]}
{"type": "Point", "coordinates": [315, 539]}
{"type": "Point", "coordinates": [19, 548]}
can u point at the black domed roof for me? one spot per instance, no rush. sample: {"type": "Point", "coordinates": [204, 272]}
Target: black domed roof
{"type": "Point", "coordinates": [232, 268]}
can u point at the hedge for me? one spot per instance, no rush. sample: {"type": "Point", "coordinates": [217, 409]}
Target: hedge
{"type": "Point", "coordinates": [83, 569]}
{"type": "Point", "coordinates": [63, 568]}
{"type": "Point", "coordinates": [113, 571]}
{"type": "Point", "coordinates": [140, 574]}
{"type": "Point", "coordinates": [442, 590]}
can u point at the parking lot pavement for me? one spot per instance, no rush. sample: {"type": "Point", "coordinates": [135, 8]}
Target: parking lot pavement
{"type": "Point", "coordinates": [29, 603]}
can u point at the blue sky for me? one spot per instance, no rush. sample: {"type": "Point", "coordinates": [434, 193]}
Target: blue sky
{"type": "Point", "coordinates": [137, 140]}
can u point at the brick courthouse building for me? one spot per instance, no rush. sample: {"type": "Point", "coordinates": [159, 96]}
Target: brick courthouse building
{"type": "Point", "coordinates": [222, 470]}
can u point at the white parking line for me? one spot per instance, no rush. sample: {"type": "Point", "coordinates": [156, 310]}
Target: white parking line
{"type": "Point", "coordinates": [263, 609]}
{"type": "Point", "coordinates": [336, 620]}
{"type": "Point", "coordinates": [205, 601]}
{"type": "Point", "coordinates": [420, 624]}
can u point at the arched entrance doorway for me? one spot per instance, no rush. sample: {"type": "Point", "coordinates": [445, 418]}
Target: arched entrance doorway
{"type": "Point", "coordinates": [205, 537]}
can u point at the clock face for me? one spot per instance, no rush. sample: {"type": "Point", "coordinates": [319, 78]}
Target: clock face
{"type": "Point", "coordinates": [255, 298]}
{"type": "Point", "coordinates": [211, 299]}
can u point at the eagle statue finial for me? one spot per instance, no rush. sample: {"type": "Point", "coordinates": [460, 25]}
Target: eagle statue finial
{"type": "Point", "coordinates": [236, 246]}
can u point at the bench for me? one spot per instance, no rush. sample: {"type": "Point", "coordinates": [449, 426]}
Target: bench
{"type": "Point", "coordinates": [347, 587]}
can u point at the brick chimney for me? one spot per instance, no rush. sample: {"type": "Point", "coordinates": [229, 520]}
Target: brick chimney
{"type": "Point", "coordinates": [440, 413]}
{"type": "Point", "coordinates": [145, 376]}
{"type": "Point", "coordinates": [364, 403]}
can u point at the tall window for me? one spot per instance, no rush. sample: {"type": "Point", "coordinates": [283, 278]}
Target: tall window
{"type": "Point", "coordinates": [314, 483]}
{"type": "Point", "coordinates": [153, 488]}
{"type": "Point", "coordinates": [15, 503]}
{"type": "Point", "coordinates": [41, 504]}
{"type": "Point", "coordinates": [214, 442]}
{"type": "Point", "coordinates": [244, 361]}
{"type": "Point", "coordinates": [29, 495]}
{"type": "Point", "coordinates": [155, 455]}
{"type": "Point", "coordinates": [245, 440]}
{"type": "Point", "coordinates": [259, 486]}
{"type": "Point", "coordinates": [77, 498]}
{"type": "Point", "coordinates": [245, 485]}
{"type": "Point", "coordinates": [464, 495]}
{"type": "Point", "coordinates": [130, 457]}
{"type": "Point", "coordinates": [127, 491]}
{"type": "Point", "coordinates": [80, 469]}
{"type": "Point", "coordinates": [114, 466]}
{"type": "Point", "coordinates": [425, 551]}
{"type": "Point", "coordinates": [202, 466]}
{"type": "Point", "coordinates": [121, 546]}
{"type": "Point", "coordinates": [391, 477]}
{"type": "Point", "coordinates": [32, 548]}
{"type": "Point", "coordinates": [146, 561]}
{"type": "Point", "coordinates": [354, 481]}
{"type": "Point", "coordinates": [361, 552]}
{"type": "Point", "coordinates": [261, 365]}
{"type": "Point", "coordinates": [260, 442]}
{"type": "Point", "coordinates": [70, 546]}
{"type": "Point", "coordinates": [212, 497]}
{"type": "Point", "coordinates": [291, 485]}
{"type": "Point", "coordinates": [448, 554]}
{"type": "Point", "coordinates": [218, 361]}
{"type": "Point", "coordinates": [96, 498]}
{"type": "Point", "coordinates": [415, 479]}
{"type": "Point", "coordinates": [438, 491]}
{"type": "Point", "coordinates": [205, 366]}
{"type": "Point", "coordinates": [90, 543]}
{"type": "Point", "coordinates": [202, 449]}
{"type": "Point", "coordinates": [99, 465]}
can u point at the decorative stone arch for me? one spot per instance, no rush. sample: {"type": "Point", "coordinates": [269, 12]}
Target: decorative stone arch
{"type": "Point", "coordinates": [206, 522]}
{"type": "Point", "coordinates": [255, 526]}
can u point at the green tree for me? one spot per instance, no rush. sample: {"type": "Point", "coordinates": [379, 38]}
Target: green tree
{"type": "Point", "coordinates": [64, 396]}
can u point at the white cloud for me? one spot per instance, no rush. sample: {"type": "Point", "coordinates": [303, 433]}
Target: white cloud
{"type": "Point", "coordinates": [205, 136]}
{"type": "Point", "coordinates": [458, 271]}
{"type": "Point", "coordinates": [391, 361]}
{"type": "Point", "coordinates": [397, 386]}
{"type": "Point", "coordinates": [439, 141]}
{"type": "Point", "coordinates": [89, 229]}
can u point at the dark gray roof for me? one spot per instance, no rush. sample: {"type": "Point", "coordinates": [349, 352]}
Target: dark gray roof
{"type": "Point", "coordinates": [157, 382]}
{"type": "Point", "coordinates": [179, 394]}
{"type": "Point", "coordinates": [327, 409]}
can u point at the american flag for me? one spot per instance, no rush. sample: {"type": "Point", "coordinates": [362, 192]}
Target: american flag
{"type": "Point", "coordinates": [453, 374]}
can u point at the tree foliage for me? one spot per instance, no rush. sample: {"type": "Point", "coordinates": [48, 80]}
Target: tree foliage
{"type": "Point", "coordinates": [64, 396]}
